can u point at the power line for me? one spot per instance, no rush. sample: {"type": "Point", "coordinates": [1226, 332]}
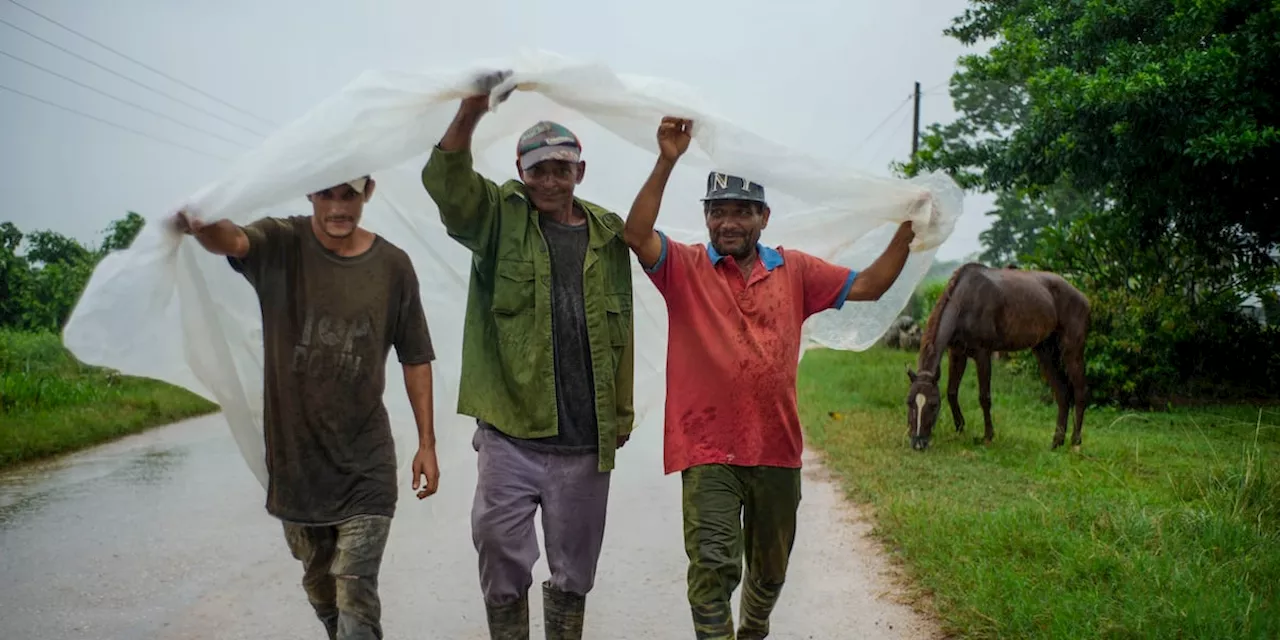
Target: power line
{"type": "Point", "coordinates": [111, 124]}
{"type": "Point", "coordinates": [885, 121]}
{"type": "Point", "coordinates": [121, 100]}
{"type": "Point", "coordinates": [892, 136]}
{"type": "Point", "coordinates": [937, 86]}
{"type": "Point", "coordinates": [140, 84]}
{"type": "Point", "coordinates": [143, 64]}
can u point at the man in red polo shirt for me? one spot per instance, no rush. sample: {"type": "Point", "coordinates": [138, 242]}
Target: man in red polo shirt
{"type": "Point", "coordinates": [735, 308]}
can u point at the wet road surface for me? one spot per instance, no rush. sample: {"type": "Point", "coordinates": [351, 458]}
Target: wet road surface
{"type": "Point", "coordinates": [163, 536]}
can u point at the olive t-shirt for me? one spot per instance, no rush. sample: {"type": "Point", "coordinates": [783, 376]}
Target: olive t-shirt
{"type": "Point", "coordinates": [328, 324]}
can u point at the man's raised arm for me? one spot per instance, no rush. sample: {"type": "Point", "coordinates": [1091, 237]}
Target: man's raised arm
{"type": "Point", "coordinates": [673, 140]}
{"type": "Point", "coordinates": [876, 279]}
{"type": "Point", "coordinates": [468, 202]}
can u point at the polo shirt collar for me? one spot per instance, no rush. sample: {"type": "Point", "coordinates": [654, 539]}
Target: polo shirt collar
{"type": "Point", "coordinates": [768, 255]}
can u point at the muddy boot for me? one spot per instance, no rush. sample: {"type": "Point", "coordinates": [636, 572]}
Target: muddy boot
{"type": "Point", "coordinates": [563, 613]}
{"type": "Point", "coordinates": [331, 626]}
{"type": "Point", "coordinates": [509, 621]}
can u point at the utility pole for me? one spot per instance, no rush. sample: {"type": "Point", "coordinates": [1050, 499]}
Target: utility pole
{"type": "Point", "coordinates": [915, 130]}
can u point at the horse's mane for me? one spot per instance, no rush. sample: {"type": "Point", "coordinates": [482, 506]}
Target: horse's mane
{"type": "Point", "coordinates": [935, 317]}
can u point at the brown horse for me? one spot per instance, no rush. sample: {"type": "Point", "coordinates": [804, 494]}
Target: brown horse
{"type": "Point", "coordinates": [982, 310]}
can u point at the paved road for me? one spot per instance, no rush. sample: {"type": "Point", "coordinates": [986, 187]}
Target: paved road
{"type": "Point", "coordinates": [163, 536]}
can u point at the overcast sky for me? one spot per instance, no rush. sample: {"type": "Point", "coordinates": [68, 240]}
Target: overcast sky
{"type": "Point", "coordinates": [822, 75]}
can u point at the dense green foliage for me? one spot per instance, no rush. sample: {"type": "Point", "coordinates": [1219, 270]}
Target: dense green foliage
{"type": "Point", "coordinates": [1164, 526]}
{"type": "Point", "coordinates": [43, 273]}
{"type": "Point", "coordinates": [1132, 146]}
{"type": "Point", "coordinates": [49, 402]}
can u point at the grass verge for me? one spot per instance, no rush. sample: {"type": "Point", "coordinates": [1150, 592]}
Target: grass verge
{"type": "Point", "coordinates": [51, 404]}
{"type": "Point", "coordinates": [1164, 526]}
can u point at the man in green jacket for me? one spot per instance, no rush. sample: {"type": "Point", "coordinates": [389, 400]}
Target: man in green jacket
{"type": "Point", "coordinates": [547, 363]}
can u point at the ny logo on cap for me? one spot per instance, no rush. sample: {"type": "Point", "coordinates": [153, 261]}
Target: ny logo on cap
{"type": "Point", "coordinates": [721, 182]}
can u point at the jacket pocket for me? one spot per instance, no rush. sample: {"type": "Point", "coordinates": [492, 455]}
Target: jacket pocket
{"type": "Point", "coordinates": [617, 308]}
{"type": "Point", "coordinates": [513, 287]}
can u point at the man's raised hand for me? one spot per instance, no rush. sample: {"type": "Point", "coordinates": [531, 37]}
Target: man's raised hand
{"type": "Point", "coordinates": [674, 135]}
{"type": "Point", "coordinates": [484, 84]}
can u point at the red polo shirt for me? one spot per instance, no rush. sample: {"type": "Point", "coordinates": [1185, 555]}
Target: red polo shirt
{"type": "Point", "coordinates": [733, 347]}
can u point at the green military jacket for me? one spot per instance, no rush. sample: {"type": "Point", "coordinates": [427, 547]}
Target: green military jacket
{"type": "Point", "coordinates": [508, 368]}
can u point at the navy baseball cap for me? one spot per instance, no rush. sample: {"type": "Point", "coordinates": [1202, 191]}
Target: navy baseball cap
{"type": "Point", "coordinates": [722, 186]}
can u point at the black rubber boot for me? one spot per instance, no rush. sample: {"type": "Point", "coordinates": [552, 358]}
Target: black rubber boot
{"type": "Point", "coordinates": [509, 621]}
{"type": "Point", "coordinates": [563, 613]}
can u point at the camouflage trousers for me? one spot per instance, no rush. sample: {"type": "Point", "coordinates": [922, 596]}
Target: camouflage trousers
{"type": "Point", "coordinates": [340, 566]}
{"type": "Point", "coordinates": [732, 513]}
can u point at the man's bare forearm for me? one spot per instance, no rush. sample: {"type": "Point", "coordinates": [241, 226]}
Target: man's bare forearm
{"type": "Point", "coordinates": [638, 232]}
{"type": "Point", "coordinates": [224, 238]}
{"type": "Point", "coordinates": [876, 279]}
{"type": "Point", "coordinates": [458, 136]}
{"type": "Point", "coordinates": [418, 384]}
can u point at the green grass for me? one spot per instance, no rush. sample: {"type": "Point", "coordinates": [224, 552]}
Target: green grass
{"type": "Point", "coordinates": [51, 404]}
{"type": "Point", "coordinates": [1165, 525]}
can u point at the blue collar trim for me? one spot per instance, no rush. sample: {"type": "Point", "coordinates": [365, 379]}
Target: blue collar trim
{"type": "Point", "coordinates": [768, 255]}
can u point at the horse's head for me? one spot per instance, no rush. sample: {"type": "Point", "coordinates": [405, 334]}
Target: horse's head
{"type": "Point", "coordinates": [923, 402]}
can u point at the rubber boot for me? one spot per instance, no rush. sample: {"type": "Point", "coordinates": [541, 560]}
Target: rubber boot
{"type": "Point", "coordinates": [331, 626]}
{"type": "Point", "coordinates": [563, 613]}
{"type": "Point", "coordinates": [509, 621]}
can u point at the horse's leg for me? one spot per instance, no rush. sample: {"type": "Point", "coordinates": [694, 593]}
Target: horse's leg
{"type": "Point", "coordinates": [1073, 363]}
{"type": "Point", "coordinates": [982, 358]}
{"type": "Point", "coordinates": [958, 359]}
{"type": "Point", "coordinates": [1047, 353]}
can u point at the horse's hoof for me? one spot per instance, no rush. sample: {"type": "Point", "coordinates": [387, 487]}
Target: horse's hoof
{"type": "Point", "coordinates": [1075, 448]}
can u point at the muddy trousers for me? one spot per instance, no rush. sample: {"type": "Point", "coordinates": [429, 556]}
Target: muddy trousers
{"type": "Point", "coordinates": [730, 513]}
{"type": "Point", "coordinates": [511, 483]}
{"type": "Point", "coordinates": [340, 573]}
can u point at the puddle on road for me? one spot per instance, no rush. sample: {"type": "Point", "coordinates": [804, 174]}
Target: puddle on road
{"type": "Point", "coordinates": [27, 490]}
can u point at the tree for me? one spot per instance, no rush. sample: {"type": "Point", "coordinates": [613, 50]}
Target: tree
{"type": "Point", "coordinates": [121, 233]}
{"type": "Point", "coordinates": [1132, 145]}
{"type": "Point", "coordinates": [1169, 109]}
{"type": "Point", "coordinates": [40, 287]}
{"type": "Point", "coordinates": [1022, 217]}
{"type": "Point", "coordinates": [992, 109]}
{"type": "Point", "coordinates": [14, 272]}
{"type": "Point", "coordinates": [45, 248]}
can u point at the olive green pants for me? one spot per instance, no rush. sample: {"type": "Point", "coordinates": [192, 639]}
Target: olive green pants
{"type": "Point", "coordinates": [731, 512]}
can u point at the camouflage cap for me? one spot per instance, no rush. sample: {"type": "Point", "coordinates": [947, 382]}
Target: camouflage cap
{"type": "Point", "coordinates": [547, 141]}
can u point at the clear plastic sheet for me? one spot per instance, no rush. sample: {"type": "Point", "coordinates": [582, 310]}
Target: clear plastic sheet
{"type": "Point", "coordinates": [165, 309]}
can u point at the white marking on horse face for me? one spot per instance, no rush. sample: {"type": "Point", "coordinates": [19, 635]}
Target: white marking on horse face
{"type": "Point", "coordinates": [919, 412]}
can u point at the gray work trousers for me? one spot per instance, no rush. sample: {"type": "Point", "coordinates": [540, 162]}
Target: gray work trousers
{"type": "Point", "coordinates": [512, 482]}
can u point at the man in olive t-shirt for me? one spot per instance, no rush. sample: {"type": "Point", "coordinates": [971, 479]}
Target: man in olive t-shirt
{"type": "Point", "coordinates": [334, 299]}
